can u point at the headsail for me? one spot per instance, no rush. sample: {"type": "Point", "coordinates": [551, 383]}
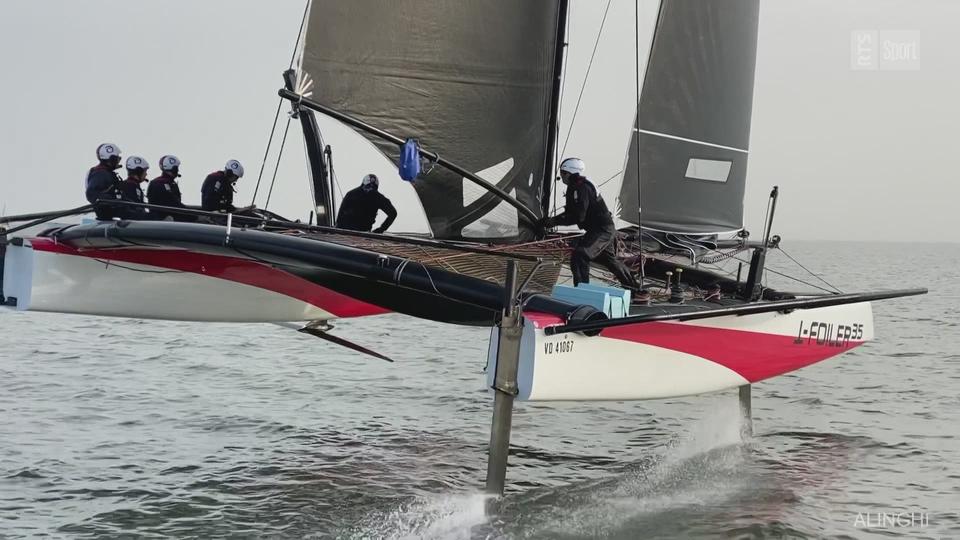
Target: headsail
{"type": "Point", "coordinates": [694, 119]}
{"type": "Point", "coordinates": [473, 81]}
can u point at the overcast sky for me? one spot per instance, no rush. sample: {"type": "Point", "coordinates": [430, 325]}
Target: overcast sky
{"type": "Point", "coordinates": [859, 154]}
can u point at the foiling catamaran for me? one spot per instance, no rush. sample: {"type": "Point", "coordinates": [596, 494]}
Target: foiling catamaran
{"type": "Point", "coordinates": [478, 85]}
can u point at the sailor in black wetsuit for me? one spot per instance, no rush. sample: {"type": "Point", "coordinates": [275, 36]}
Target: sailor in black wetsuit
{"type": "Point", "coordinates": [216, 195]}
{"type": "Point", "coordinates": [585, 208]}
{"type": "Point", "coordinates": [358, 211]}
{"type": "Point", "coordinates": [130, 189]}
{"type": "Point", "coordinates": [164, 191]}
{"type": "Point", "coordinates": [102, 183]}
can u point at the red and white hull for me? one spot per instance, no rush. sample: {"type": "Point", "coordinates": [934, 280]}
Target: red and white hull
{"type": "Point", "coordinates": [162, 283]}
{"type": "Point", "coordinates": [656, 360]}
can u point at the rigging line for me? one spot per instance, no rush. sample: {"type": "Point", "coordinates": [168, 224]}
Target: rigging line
{"type": "Point", "coordinates": [586, 77]}
{"type": "Point", "coordinates": [808, 270]}
{"type": "Point", "coordinates": [768, 269]}
{"type": "Point", "coordinates": [636, 117]}
{"type": "Point", "coordinates": [721, 269]}
{"type": "Point", "coordinates": [333, 176]}
{"type": "Point", "coordinates": [276, 116]}
{"type": "Point", "coordinates": [107, 262]}
{"type": "Point", "coordinates": [544, 241]}
{"type": "Point", "coordinates": [433, 284]}
{"type": "Point", "coordinates": [556, 127]}
{"type": "Point", "coordinates": [563, 83]}
{"type": "Point", "coordinates": [266, 152]}
{"type": "Point", "coordinates": [615, 175]}
{"type": "Point", "coordinates": [283, 143]}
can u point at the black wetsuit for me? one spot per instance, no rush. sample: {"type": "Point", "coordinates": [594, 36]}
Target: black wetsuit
{"type": "Point", "coordinates": [217, 193]}
{"type": "Point", "coordinates": [587, 210]}
{"type": "Point", "coordinates": [130, 191]}
{"type": "Point", "coordinates": [103, 184]}
{"type": "Point", "coordinates": [164, 191]}
{"type": "Point", "coordinates": [358, 211]}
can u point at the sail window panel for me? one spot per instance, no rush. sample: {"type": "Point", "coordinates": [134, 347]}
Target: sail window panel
{"type": "Point", "coordinates": [503, 221]}
{"type": "Point", "coordinates": [708, 169]}
{"type": "Point", "coordinates": [472, 192]}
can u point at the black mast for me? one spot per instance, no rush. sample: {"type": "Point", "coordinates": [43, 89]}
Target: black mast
{"type": "Point", "coordinates": [322, 190]}
{"type": "Point", "coordinates": [752, 289]}
{"type": "Point", "coordinates": [554, 118]}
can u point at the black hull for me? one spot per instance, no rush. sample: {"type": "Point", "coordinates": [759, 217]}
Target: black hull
{"type": "Point", "coordinates": [391, 282]}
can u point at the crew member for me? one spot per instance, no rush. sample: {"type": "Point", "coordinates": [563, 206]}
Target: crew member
{"type": "Point", "coordinates": [358, 211]}
{"type": "Point", "coordinates": [164, 190]}
{"type": "Point", "coordinates": [216, 195]}
{"type": "Point", "coordinates": [130, 188]}
{"type": "Point", "coordinates": [102, 182]}
{"type": "Point", "coordinates": [585, 208]}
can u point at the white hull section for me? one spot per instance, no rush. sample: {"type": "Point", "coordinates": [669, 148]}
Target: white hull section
{"type": "Point", "coordinates": [672, 359]}
{"type": "Point", "coordinates": [55, 282]}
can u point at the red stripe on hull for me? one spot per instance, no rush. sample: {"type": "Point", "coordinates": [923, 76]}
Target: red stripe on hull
{"type": "Point", "coordinates": [229, 268]}
{"type": "Point", "coordinates": [754, 355]}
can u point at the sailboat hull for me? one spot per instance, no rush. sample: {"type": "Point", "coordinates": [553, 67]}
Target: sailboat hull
{"type": "Point", "coordinates": [656, 360]}
{"type": "Point", "coordinates": [159, 283]}
{"type": "Point", "coordinates": [202, 272]}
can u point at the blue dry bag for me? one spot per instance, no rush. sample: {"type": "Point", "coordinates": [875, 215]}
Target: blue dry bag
{"type": "Point", "coordinates": [409, 160]}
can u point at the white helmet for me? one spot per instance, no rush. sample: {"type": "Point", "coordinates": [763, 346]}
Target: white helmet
{"type": "Point", "coordinates": [235, 167]}
{"type": "Point", "coordinates": [107, 150]}
{"type": "Point", "coordinates": [137, 162]}
{"type": "Point", "coordinates": [168, 163]}
{"type": "Point", "coordinates": [370, 180]}
{"type": "Point", "coordinates": [573, 166]}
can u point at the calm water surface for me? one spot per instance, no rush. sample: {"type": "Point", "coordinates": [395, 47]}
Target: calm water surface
{"type": "Point", "coordinates": [124, 428]}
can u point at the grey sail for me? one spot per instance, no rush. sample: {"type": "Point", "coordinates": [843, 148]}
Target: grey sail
{"type": "Point", "coordinates": [471, 81]}
{"type": "Point", "coordinates": [694, 120]}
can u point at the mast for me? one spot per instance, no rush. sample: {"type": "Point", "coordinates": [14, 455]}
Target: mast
{"type": "Point", "coordinates": [553, 128]}
{"type": "Point", "coordinates": [639, 90]}
{"type": "Point", "coordinates": [752, 290]}
{"type": "Point", "coordinates": [320, 179]}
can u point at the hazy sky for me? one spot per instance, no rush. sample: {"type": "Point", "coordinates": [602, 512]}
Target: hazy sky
{"type": "Point", "coordinates": [859, 154]}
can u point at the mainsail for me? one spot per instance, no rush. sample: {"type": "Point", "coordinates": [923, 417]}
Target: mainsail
{"type": "Point", "coordinates": [472, 81]}
{"type": "Point", "coordinates": [694, 120]}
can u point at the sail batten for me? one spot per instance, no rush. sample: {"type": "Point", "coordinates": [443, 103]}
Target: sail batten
{"type": "Point", "coordinates": [473, 81]}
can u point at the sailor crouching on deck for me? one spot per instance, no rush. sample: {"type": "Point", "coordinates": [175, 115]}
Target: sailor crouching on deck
{"type": "Point", "coordinates": [164, 190]}
{"type": "Point", "coordinates": [585, 208]}
{"type": "Point", "coordinates": [130, 189]}
{"type": "Point", "coordinates": [216, 195]}
{"type": "Point", "coordinates": [102, 182]}
{"type": "Point", "coordinates": [358, 211]}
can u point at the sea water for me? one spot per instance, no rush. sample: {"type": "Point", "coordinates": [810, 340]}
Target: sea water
{"type": "Point", "coordinates": [127, 428]}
